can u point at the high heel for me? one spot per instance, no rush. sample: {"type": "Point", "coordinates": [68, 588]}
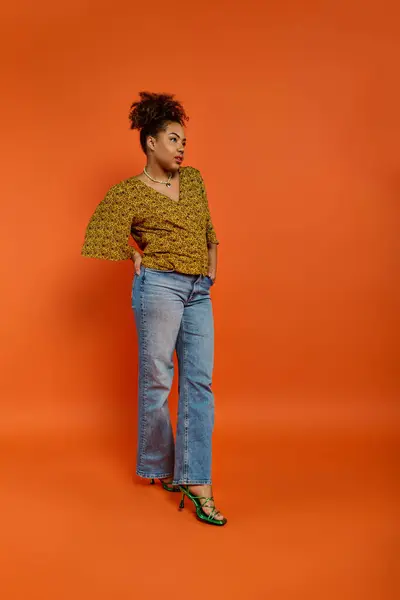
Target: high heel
{"type": "Point", "coordinates": [201, 515]}
{"type": "Point", "coordinates": [166, 486]}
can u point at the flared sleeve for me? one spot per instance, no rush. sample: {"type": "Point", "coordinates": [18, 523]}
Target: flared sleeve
{"type": "Point", "coordinates": [109, 227]}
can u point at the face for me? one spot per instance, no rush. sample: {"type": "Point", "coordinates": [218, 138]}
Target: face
{"type": "Point", "coordinates": [168, 147]}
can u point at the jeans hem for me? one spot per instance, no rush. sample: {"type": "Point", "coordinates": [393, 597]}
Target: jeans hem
{"type": "Point", "coordinates": [156, 476]}
{"type": "Point", "coordinates": [195, 482]}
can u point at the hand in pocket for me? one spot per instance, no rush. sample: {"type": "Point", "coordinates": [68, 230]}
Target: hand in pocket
{"type": "Point", "coordinates": [137, 261]}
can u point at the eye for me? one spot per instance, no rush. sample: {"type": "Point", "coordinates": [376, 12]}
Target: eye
{"type": "Point", "coordinates": [174, 139]}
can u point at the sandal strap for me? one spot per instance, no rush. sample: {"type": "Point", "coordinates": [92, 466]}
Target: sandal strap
{"type": "Point", "coordinates": [213, 513]}
{"type": "Point", "coordinates": [202, 497]}
{"type": "Point", "coordinates": [206, 500]}
{"type": "Point", "coordinates": [203, 505]}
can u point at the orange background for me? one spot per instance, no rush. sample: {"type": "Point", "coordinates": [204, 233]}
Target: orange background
{"type": "Point", "coordinates": [294, 111]}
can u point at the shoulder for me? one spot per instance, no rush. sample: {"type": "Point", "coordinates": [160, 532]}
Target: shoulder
{"type": "Point", "coordinates": [189, 170]}
{"type": "Point", "coordinates": [191, 173]}
{"type": "Point", "coordinates": [122, 186]}
{"type": "Point", "coordinates": [121, 191]}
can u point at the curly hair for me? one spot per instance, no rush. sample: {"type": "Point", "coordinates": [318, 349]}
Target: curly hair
{"type": "Point", "coordinates": [153, 112]}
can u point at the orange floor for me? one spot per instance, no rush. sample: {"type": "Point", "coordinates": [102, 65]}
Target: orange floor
{"type": "Point", "coordinates": [311, 515]}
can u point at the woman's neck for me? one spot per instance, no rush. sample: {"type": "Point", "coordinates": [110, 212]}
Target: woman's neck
{"type": "Point", "coordinates": [157, 171]}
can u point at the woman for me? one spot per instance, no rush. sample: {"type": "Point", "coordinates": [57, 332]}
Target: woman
{"type": "Point", "coordinates": [165, 209]}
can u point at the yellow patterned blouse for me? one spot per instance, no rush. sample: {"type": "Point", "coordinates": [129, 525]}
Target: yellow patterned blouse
{"type": "Point", "coordinates": [170, 234]}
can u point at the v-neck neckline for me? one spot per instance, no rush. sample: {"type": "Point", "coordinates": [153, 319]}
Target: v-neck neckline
{"type": "Point", "coordinates": [178, 201]}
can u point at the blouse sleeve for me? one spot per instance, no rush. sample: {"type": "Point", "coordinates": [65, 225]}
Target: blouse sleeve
{"type": "Point", "coordinates": [109, 228]}
{"type": "Point", "coordinates": [210, 231]}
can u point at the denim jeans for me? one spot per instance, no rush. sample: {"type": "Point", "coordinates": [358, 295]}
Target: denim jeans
{"type": "Point", "coordinates": [173, 311]}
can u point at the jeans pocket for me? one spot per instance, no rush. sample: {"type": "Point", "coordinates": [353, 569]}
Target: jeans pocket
{"type": "Point", "coordinates": [211, 281]}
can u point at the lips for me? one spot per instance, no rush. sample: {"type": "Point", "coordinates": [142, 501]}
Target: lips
{"type": "Point", "coordinates": [179, 159]}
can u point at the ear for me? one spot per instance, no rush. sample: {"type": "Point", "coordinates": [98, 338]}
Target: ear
{"type": "Point", "coordinates": [151, 142]}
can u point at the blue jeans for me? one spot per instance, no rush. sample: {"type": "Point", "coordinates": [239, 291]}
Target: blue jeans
{"type": "Point", "coordinates": [173, 311]}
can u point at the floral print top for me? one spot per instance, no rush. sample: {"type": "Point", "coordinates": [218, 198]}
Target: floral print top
{"type": "Point", "coordinates": [170, 234]}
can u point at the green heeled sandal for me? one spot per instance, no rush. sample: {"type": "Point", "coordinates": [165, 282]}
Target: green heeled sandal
{"type": "Point", "coordinates": [167, 486]}
{"type": "Point", "coordinates": [200, 514]}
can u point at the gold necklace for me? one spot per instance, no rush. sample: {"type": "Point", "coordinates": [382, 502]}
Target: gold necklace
{"type": "Point", "coordinates": [167, 183]}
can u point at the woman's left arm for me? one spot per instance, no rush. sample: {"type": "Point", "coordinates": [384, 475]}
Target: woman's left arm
{"type": "Point", "coordinates": [212, 260]}
{"type": "Point", "coordinates": [211, 236]}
